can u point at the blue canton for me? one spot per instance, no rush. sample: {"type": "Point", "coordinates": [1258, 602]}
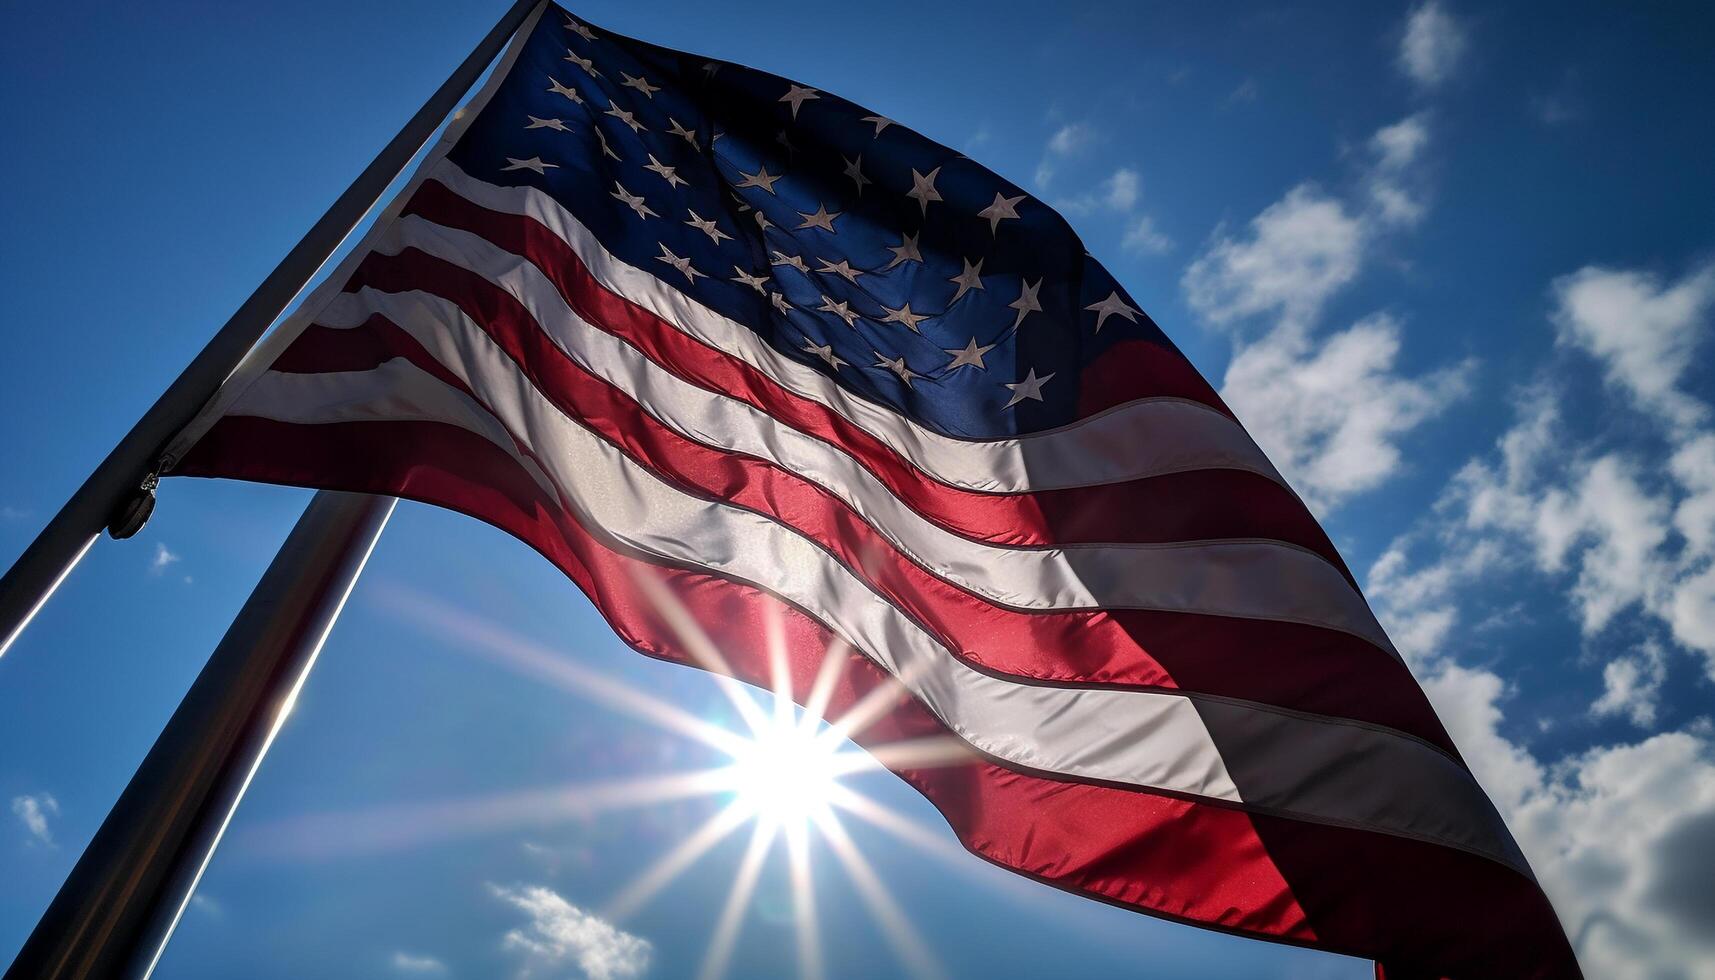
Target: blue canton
{"type": "Point", "coordinates": [909, 274]}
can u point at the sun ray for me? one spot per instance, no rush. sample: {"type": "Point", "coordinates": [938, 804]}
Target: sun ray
{"type": "Point", "coordinates": [719, 953]}
{"type": "Point", "coordinates": [904, 828]}
{"type": "Point", "coordinates": [667, 867]}
{"type": "Point", "coordinates": [702, 648]}
{"type": "Point", "coordinates": [534, 660]}
{"type": "Point", "coordinates": [805, 928]}
{"type": "Point", "coordinates": [900, 933]}
{"type": "Point", "coordinates": [372, 830]}
{"type": "Point", "coordinates": [932, 752]}
{"type": "Point", "coordinates": [829, 673]}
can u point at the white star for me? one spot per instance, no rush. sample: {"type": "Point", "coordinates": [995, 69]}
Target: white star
{"type": "Point", "coordinates": [641, 84]}
{"type": "Point", "coordinates": [762, 178]}
{"type": "Point", "coordinates": [826, 353]}
{"type": "Point", "coordinates": [1026, 303]}
{"type": "Point", "coordinates": [842, 268]}
{"type": "Point", "coordinates": [754, 282]}
{"type": "Point", "coordinates": [707, 227]}
{"type": "Point", "coordinates": [762, 221]}
{"type": "Point", "coordinates": [674, 129]}
{"type": "Point", "coordinates": [903, 315]}
{"type": "Point", "coordinates": [840, 309]}
{"type": "Point", "coordinates": [905, 251]}
{"type": "Point", "coordinates": [625, 116]}
{"type": "Point", "coordinates": [554, 124]}
{"type": "Point", "coordinates": [798, 95]}
{"type": "Point", "coordinates": [633, 201]}
{"type": "Point", "coordinates": [1111, 306]}
{"type": "Point", "coordinates": [601, 137]}
{"type": "Point", "coordinates": [780, 303]}
{"type": "Point", "coordinates": [737, 201]}
{"type": "Point", "coordinates": [786, 144]}
{"type": "Point", "coordinates": [821, 219]}
{"type": "Point", "coordinates": [781, 258]}
{"type": "Point", "coordinates": [1030, 387]}
{"type": "Point", "coordinates": [682, 264]}
{"type": "Point", "coordinates": [1001, 209]}
{"type": "Point", "coordinates": [556, 88]}
{"type": "Point", "coordinates": [897, 366]}
{"type": "Point", "coordinates": [854, 170]}
{"type": "Point", "coordinates": [971, 278]}
{"type": "Point", "coordinates": [881, 122]}
{"type": "Point", "coordinates": [581, 30]}
{"type": "Point", "coordinates": [587, 65]}
{"type": "Point", "coordinates": [673, 179]}
{"type": "Point", "coordinates": [923, 188]}
{"type": "Point", "coordinates": [534, 163]}
{"type": "Point", "coordinates": [971, 355]}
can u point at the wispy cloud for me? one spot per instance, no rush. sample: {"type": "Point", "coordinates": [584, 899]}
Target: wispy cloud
{"type": "Point", "coordinates": [164, 558]}
{"type": "Point", "coordinates": [35, 811]}
{"type": "Point", "coordinates": [1117, 196]}
{"type": "Point", "coordinates": [416, 965]}
{"type": "Point", "coordinates": [1433, 45]}
{"type": "Point", "coordinates": [1644, 331]}
{"type": "Point", "coordinates": [558, 934]}
{"type": "Point", "coordinates": [1631, 686]}
{"type": "Point", "coordinates": [1329, 408]}
{"type": "Point", "coordinates": [1067, 142]}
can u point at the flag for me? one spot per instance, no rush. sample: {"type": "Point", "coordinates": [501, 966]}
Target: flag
{"type": "Point", "coordinates": [697, 331]}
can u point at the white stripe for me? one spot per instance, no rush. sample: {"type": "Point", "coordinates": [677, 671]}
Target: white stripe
{"type": "Point", "coordinates": [1137, 737]}
{"type": "Point", "coordinates": [1141, 738]}
{"type": "Point", "coordinates": [1240, 578]}
{"type": "Point", "coordinates": [1144, 438]}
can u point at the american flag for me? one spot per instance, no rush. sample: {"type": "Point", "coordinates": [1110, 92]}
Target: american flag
{"type": "Point", "coordinates": [692, 329]}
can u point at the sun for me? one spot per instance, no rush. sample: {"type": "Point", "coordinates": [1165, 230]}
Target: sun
{"type": "Point", "coordinates": [786, 774]}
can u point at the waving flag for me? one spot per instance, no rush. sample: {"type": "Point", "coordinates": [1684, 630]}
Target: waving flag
{"type": "Point", "coordinates": [692, 329]}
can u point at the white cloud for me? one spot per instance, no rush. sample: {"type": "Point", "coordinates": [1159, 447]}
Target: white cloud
{"type": "Point", "coordinates": [1072, 138]}
{"type": "Point", "coordinates": [415, 965]}
{"type": "Point", "coordinates": [1328, 412]}
{"type": "Point", "coordinates": [35, 810]}
{"type": "Point", "coordinates": [1643, 331]}
{"type": "Point", "coordinates": [1394, 198]}
{"type": "Point", "coordinates": [1631, 686]}
{"type": "Point", "coordinates": [163, 558]}
{"type": "Point", "coordinates": [1068, 141]}
{"type": "Point", "coordinates": [1247, 91]}
{"type": "Point", "coordinates": [1121, 189]}
{"type": "Point", "coordinates": [1432, 46]}
{"type": "Point", "coordinates": [1117, 196]}
{"type": "Point", "coordinates": [1299, 251]}
{"type": "Point", "coordinates": [1143, 237]}
{"type": "Point", "coordinates": [559, 934]}
{"type": "Point", "coordinates": [1329, 409]}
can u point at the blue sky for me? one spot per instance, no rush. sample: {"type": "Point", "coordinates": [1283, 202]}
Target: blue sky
{"type": "Point", "coordinates": [1453, 264]}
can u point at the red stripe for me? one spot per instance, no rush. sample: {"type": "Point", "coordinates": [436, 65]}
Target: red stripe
{"type": "Point", "coordinates": [1176, 507]}
{"type": "Point", "coordinates": [1433, 910]}
{"type": "Point", "coordinates": [1307, 668]}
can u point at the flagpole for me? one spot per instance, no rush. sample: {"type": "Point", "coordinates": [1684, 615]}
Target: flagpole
{"type": "Point", "coordinates": [117, 909]}
{"type": "Point", "coordinates": [118, 494]}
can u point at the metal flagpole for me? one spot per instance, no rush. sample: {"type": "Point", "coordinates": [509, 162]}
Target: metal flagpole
{"type": "Point", "coordinates": [116, 910]}
{"type": "Point", "coordinates": [118, 494]}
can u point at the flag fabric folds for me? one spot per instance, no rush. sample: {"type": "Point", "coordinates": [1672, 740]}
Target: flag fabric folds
{"type": "Point", "coordinates": [697, 331]}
